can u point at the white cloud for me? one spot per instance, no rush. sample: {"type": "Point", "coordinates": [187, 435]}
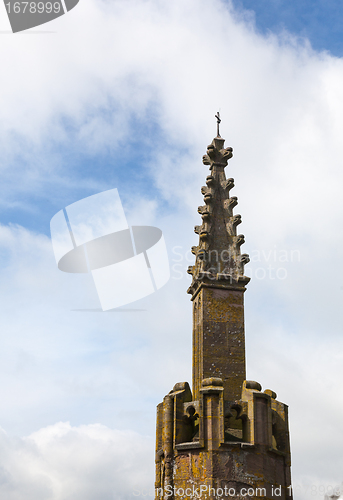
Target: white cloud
{"type": "Point", "coordinates": [61, 462]}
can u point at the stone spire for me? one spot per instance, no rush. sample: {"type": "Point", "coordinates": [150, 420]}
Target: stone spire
{"type": "Point", "coordinates": [225, 437]}
{"type": "Point", "coordinates": [218, 258]}
{"type": "Point", "coordinates": [218, 282]}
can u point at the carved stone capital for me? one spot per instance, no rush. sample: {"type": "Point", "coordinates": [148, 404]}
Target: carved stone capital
{"type": "Point", "coordinates": [217, 154]}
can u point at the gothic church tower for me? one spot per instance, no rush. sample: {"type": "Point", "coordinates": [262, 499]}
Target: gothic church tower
{"type": "Point", "coordinates": [227, 438]}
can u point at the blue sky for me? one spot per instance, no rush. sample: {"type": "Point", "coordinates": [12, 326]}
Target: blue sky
{"type": "Point", "coordinates": [122, 94]}
{"type": "Point", "coordinates": [319, 21]}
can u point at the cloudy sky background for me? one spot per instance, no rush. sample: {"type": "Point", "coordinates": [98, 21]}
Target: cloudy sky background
{"type": "Point", "coordinates": [122, 94]}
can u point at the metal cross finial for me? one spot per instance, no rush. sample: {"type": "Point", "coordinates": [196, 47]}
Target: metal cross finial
{"type": "Point", "coordinates": [218, 122]}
